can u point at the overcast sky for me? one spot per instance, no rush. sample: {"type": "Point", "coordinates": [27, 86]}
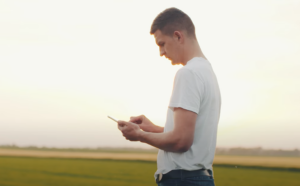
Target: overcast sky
{"type": "Point", "coordinates": [66, 65]}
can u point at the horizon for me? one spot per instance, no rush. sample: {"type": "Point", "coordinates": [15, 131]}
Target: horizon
{"type": "Point", "coordinates": [148, 148]}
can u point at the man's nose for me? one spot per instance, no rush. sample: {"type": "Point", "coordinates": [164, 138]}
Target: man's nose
{"type": "Point", "coordinates": [162, 52]}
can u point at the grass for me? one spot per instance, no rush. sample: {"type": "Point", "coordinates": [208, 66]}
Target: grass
{"type": "Point", "coordinates": [247, 176]}
{"type": "Point", "coordinates": [17, 171]}
{"type": "Point", "coordinates": [259, 161]}
{"type": "Point", "coordinates": [25, 171]}
{"type": "Point", "coordinates": [256, 161]}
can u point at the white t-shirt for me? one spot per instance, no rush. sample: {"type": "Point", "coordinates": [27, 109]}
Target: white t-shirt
{"type": "Point", "coordinates": [196, 89]}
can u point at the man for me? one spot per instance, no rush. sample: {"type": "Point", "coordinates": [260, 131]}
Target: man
{"type": "Point", "coordinates": [187, 142]}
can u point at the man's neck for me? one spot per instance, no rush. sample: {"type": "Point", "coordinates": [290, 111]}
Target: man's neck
{"type": "Point", "coordinates": [191, 50]}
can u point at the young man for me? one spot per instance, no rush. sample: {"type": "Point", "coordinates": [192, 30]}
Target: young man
{"type": "Point", "coordinates": [187, 142]}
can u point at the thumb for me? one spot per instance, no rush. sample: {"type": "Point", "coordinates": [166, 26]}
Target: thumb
{"type": "Point", "coordinates": [132, 118]}
{"type": "Point", "coordinates": [121, 123]}
{"type": "Point", "coordinates": [136, 119]}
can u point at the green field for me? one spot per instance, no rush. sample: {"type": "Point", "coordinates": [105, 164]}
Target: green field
{"type": "Point", "coordinates": [21, 171]}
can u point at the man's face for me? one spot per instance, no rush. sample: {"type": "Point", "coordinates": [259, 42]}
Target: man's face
{"type": "Point", "coordinates": [168, 47]}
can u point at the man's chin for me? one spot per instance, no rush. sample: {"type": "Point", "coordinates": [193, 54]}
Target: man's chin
{"type": "Point", "coordinates": [173, 63]}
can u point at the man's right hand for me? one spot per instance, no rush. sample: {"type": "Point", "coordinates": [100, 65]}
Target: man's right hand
{"type": "Point", "coordinates": [145, 124]}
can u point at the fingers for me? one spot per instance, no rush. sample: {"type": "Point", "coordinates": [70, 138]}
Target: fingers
{"type": "Point", "coordinates": [129, 130]}
{"type": "Point", "coordinates": [133, 118]}
{"type": "Point", "coordinates": [124, 125]}
{"type": "Point", "coordinates": [137, 119]}
{"type": "Point", "coordinates": [121, 125]}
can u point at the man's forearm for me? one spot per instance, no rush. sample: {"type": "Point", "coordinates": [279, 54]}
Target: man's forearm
{"type": "Point", "coordinates": [165, 141]}
{"type": "Point", "coordinates": [157, 129]}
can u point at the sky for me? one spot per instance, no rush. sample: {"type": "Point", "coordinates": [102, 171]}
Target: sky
{"type": "Point", "coordinates": [65, 65]}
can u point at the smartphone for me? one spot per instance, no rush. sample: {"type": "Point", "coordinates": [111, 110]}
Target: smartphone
{"type": "Point", "coordinates": [113, 118]}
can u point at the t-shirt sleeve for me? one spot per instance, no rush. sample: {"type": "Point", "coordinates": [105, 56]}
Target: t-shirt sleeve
{"type": "Point", "coordinates": [187, 91]}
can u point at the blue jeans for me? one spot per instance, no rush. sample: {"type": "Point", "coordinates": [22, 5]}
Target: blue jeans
{"type": "Point", "coordinates": [191, 181]}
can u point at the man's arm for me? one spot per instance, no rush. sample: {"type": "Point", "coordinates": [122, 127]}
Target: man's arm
{"type": "Point", "coordinates": [179, 139]}
{"type": "Point", "coordinates": [146, 125]}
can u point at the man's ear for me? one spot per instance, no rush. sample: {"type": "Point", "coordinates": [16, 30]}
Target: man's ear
{"type": "Point", "coordinates": [178, 36]}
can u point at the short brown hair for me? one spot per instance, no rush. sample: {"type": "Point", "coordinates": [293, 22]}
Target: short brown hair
{"type": "Point", "coordinates": [173, 19]}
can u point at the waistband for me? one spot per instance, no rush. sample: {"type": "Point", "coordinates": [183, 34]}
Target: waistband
{"type": "Point", "coordinates": [179, 173]}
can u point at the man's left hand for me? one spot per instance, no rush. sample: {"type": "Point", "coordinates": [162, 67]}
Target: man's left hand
{"type": "Point", "coordinates": [130, 131]}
